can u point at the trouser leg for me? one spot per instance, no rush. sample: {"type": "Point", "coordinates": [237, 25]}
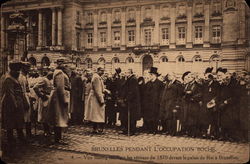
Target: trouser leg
{"type": "Point", "coordinates": [58, 133]}
{"type": "Point", "coordinates": [46, 128]}
{"type": "Point", "coordinates": [28, 129]}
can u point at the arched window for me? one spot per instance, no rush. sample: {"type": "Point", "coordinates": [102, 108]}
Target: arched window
{"type": "Point", "coordinates": [115, 60]}
{"type": "Point", "coordinates": [32, 61]}
{"type": "Point", "coordinates": [45, 61]}
{"type": "Point", "coordinates": [164, 59]}
{"type": "Point", "coordinates": [115, 64]}
{"type": "Point", "coordinates": [215, 62]}
{"type": "Point", "coordinates": [130, 60]}
{"type": "Point", "coordinates": [78, 62]}
{"type": "Point", "coordinates": [197, 64]}
{"type": "Point", "coordinates": [88, 63]}
{"type": "Point", "coordinates": [101, 63]}
{"type": "Point", "coordinates": [180, 64]}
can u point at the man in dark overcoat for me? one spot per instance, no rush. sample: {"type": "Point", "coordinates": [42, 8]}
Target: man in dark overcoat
{"type": "Point", "coordinates": [152, 99]}
{"type": "Point", "coordinates": [192, 98]}
{"type": "Point", "coordinates": [13, 103]}
{"type": "Point", "coordinates": [227, 105]}
{"type": "Point", "coordinates": [209, 115]}
{"type": "Point", "coordinates": [132, 111]}
{"type": "Point", "coordinates": [76, 103]}
{"type": "Point", "coordinates": [170, 104]}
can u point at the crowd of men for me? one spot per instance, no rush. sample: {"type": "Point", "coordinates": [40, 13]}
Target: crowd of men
{"type": "Point", "coordinates": [214, 105]}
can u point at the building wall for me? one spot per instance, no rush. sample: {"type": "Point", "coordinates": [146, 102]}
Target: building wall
{"type": "Point", "coordinates": [231, 48]}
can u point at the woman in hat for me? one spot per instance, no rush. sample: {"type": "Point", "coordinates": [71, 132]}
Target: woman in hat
{"type": "Point", "coordinates": [58, 113]}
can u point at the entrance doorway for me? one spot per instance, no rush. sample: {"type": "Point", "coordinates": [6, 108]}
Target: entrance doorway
{"type": "Point", "coordinates": [147, 63]}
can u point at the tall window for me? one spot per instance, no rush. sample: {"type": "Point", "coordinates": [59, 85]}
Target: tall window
{"type": "Point", "coordinates": [181, 35]}
{"type": "Point", "coordinates": [78, 17]}
{"type": "Point", "coordinates": [216, 8]}
{"type": "Point", "coordinates": [117, 38]}
{"type": "Point", "coordinates": [117, 16]}
{"type": "Point", "coordinates": [148, 37]}
{"type": "Point", "coordinates": [103, 38]}
{"type": "Point", "coordinates": [78, 40]}
{"type": "Point", "coordinates": [199, 10]}
{"type": "Point", "coordinates": [165, 35]}
{"type": "Point", "coordinates": [198, 32]}
{"type": "Point", "coordinates": [90, 39]}
{"type": "Point", "coordinates": [216, 32]}
{"type": "Point", "coordinates": [89, 18]}
{"type": "Point", "coordinates": [131, 36]}
{"type": "Point", "coordinates": [131, 15]}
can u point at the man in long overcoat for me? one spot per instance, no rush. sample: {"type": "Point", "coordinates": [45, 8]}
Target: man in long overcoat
{"type": "Point", "coordinates": [170, 104]}
{"type": "Point", "coordinates": [23, 80]}
{"type": "Point", "coordinates": [43, 89]}
{"type": "Point", "coordinates": [95, 107]}
{"type": "Point", "coordinates": [152, 99]}
{"type": "Point", "coordinates": [13, 103]}
{"type": "Point", "coordinates": [209, 116]}
{"type": "Point", "coordinates": [76, 93]}
{"type": "Point", "coordinates": [227, 105]}
{"type": "Point", "coordinates": [132, 111]}
{"type": "Point", "coordinates": [192, 98]}
{"type": "Point", "coordinates": [58, 114]}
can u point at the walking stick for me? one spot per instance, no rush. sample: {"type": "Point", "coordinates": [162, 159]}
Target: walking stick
{"type": "Point", "coordinates": [128, 121]}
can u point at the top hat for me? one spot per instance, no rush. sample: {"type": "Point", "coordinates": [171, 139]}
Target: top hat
{"type": "Point", "coordinates": [154, 71]}
{"type": "Point", "coordinates": [15, 65]}
{"type": "Point", "coordinates": [209, 70]}
{"type": "Point", "coordinates": [185, 74]}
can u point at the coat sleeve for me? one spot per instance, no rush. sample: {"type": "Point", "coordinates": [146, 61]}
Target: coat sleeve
{"type": "Point", "coordinates": [8, 86]}
{"type": "Point", "coordinates": [96, 83]}
{"type": "Point", "coordinates": [59, 83]}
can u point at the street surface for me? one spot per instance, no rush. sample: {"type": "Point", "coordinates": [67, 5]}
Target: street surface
{"type": "Point", "coordinates": [111, 147]}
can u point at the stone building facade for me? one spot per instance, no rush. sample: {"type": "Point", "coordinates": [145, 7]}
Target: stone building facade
{"type": "Point", "coordinates": [173, 35]}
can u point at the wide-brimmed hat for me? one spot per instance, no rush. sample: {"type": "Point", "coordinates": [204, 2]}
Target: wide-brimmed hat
{"type": "Point", "coordinates": [224, 70]}
{"type": "Point", "coordinates": [15, 65]}
{"type": "Point", "coordinates": [154, 71]}
{"type": "Point", "coordinates": [209, 70]}
{"type": "Point", "coordinates": [185, 74]}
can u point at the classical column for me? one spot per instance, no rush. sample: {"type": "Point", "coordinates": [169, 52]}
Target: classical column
{"type": "Point", "coordinates": [53, 30]}
{"type": "Point", "coordinates": [123, 34]}
{"type": "Point", "coordinates": [157, 27]}
{"type": "Point", "coordinates": [95, 36]}
{"type": "Point", "coordinates": [44, 33]}
{"type": "Point", "coordinates": [172, 26]}
{"type": "Point", "coordinates": [109, 32]}
{"type": "Point", "coordinates": [138, 25]}
{"type": "Point", "coordinates": [2, 33]}
{"type": "Point", "coordinates": [189, 43]}
{"type": "Point", "coordinates": [59, 27]}
{"type": "Point", "coordinates": [242, 22]}
{"type": "Point", "coordinates": [206, 33]}
{"type": "Point", "coordinates": [40, 30]}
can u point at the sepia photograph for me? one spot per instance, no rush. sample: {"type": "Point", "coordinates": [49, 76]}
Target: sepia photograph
{"type": "Point", "coordinates": [124, 81]}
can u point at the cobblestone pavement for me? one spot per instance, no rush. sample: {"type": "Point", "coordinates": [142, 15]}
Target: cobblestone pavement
{"type": "Point", "coordinates": [83, 147]}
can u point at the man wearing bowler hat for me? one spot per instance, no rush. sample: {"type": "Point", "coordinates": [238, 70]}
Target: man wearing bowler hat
{"type": "Point", "coordinates": [13, 105]}
{"type": "Point", "coordinates": [153, 96]}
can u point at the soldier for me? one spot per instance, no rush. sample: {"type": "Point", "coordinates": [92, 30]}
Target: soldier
{"type": "Point", "coordinates": [14, 103]}
{"type": "Point", "coordinates": [43, 89]}
{"type": "Point", "coordinates": [23, 80]}
{"type": "Point", "coordinates": [95, 107]}
{"type": "Point", "coordinates": [170, 104]}
{"type": "Point", "coordinates": [152, 100]}
{"type": "Point", "coordinates": [58, 113]}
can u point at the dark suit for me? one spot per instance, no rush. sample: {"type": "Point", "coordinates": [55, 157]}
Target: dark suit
{"type": "Point", "coordinates": [152, 107]}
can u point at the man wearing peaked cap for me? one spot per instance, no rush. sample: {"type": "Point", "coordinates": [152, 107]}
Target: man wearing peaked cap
{"type": "Point", "coordinates": [13, 105]}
